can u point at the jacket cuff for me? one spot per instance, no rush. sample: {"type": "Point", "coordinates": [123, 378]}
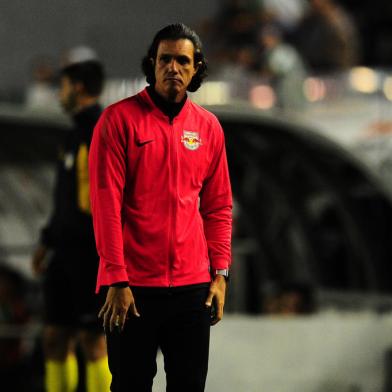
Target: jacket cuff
{"type": "Point", "coordinates": [120, 284]}
{"type": "Point", "coordinates": [110, 273]}
{"type": "Point", "coordinates": [220, 263]}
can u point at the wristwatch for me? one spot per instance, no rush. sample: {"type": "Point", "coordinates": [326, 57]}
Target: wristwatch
{"type": "Point", "coordinates": [223, 272]}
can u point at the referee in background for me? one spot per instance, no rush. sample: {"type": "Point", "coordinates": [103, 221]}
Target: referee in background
{"type": "Point", "coordinates": [70, 268]}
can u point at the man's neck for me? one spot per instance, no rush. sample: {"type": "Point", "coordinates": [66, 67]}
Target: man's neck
{"type": "Point", "coordinates": [84, 103]}
{"type": "Point", "coordinates": [170, 108]}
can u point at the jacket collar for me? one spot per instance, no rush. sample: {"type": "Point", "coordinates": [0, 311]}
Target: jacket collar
{"type": "Point", "coordinates": [171, 112]}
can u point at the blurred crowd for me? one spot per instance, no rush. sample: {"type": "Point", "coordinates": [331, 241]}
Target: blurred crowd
{"type": "Point", "coordinates": [279, 43]}
{"type": "Point", "coordinates": [319, 35]}
{"type": "Point", "coordinates": [276, 42]}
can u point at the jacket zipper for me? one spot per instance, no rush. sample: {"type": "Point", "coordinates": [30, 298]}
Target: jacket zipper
{"type": "Point", "coordinates": [173, 196]}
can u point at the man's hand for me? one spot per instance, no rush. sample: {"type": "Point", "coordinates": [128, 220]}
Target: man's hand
{"type": "Point", "coordinates": [216, 297]}
{"type": "Point", "coordinates": [119, 301]}
{"type": "Point", "coordinates": [38, 262]}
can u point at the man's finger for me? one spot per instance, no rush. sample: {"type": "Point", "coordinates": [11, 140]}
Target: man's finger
{"type": "Point", "coordinates": [114, 321]}
{"type": "Point", "coordinates": [121, 321]}
{"type": "Point", "coordinates": [106, 319]}
{"type": "Point", "coordinates": [216, 320]}
{"type": "Point", "coordinates": [219, 306]}
{"type": "Point", "coordinates": [218, 316]}
{"type": "Point", "coordinates": [209, 299]}
{"type": "Point", "coordinates": [134, 310]}
{"type": "Point", "coordinates": [102, 311]}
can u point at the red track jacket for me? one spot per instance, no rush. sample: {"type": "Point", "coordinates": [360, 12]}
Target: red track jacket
{"type": "Point", "coordinates": [160, 195]}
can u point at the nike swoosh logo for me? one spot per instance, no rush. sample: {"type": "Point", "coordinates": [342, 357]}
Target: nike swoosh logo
{"type": "Point", "coordinates": [141, 143]}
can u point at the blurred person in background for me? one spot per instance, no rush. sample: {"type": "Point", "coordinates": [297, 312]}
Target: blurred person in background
{"type": "Point", "coordinates": [239, 72]}
{"type": "Point", "coordinates": [67, 256]}
{"type": "Point", "coordinates": [327, 37]}
{"type": "Point", "coordinates": [41, 92]}
{"type": "Point", "coordinates": [233, 27]}
{"type": "Point", "coordinates": [237, 20]}
{"type": "Point", "coordinates": [286, 12]}
{"type": "Point", "coordinates": [78, 54]}
{"type": "Point", "coordinates": [161, 202]}
{"type": "Point", "coordinates": [282, 66]}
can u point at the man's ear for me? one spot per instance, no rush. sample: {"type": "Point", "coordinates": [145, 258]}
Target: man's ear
{"type": "Point", "coordinates": [152, 62]}
{"type": "Point", "coordinates": [197, 66]}
{"type": "Point", "coordinates": [79, 88]}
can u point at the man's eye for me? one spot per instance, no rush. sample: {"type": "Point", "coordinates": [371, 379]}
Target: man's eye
{"type": "Point", "coordinates": [183, 60]}
{"type": "Point", "coordinates": [165, 59]}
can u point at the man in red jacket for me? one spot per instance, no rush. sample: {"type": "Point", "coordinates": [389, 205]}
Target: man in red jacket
{"type": "Point", "coordinates": [162, 211]}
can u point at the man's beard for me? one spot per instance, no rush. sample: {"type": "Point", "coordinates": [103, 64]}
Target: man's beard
{"type": "Point", "coordinates": [70, 104]}
{"type": "Point", "coordinates": [172, 94]}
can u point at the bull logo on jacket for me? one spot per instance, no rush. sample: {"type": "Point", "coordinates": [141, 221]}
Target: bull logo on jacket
{"type": "Point", "coordinates": [191, 140]}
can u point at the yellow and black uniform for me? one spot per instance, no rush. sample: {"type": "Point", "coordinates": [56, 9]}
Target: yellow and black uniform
{"type": "Point", "coordinates": [69, 280]}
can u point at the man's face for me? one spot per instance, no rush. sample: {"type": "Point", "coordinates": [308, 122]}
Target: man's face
{"type": "Point", "coordinates": [67, 94]}
{"type": "Point", "coordinates": [174, 68]}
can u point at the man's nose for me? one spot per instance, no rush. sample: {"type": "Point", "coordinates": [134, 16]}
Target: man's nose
{"type": "Point", "coordinates": [173, 66]}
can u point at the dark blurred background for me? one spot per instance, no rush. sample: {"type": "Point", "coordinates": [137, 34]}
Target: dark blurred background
{"type": "Point", "coordinates": [119, 31]}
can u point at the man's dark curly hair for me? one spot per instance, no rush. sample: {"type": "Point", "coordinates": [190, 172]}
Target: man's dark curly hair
{"type": "Point", "coordinates": [175, 32]}
{"type": "Point", "coordinates": [90, 73]}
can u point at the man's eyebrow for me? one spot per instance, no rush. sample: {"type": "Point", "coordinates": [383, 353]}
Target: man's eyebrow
{"type": "Point", "coordinates": [180, 56]}
{"type": "Point", "coordinates": [183, 57]}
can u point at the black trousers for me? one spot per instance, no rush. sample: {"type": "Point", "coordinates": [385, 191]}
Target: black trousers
{"type": "Point", "coordinates": [68, 287]}
{"type": "Point", "coordinates": [175, 320]}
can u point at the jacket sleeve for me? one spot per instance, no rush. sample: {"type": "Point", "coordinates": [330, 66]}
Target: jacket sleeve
{"type": "Point", "coordinates": [107, 168]}
{"type": "Point", "coordinates": [216, 206]}
{"type": "Point", "coordinates": [47, 232]}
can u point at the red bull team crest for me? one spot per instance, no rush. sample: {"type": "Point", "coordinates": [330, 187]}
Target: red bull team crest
{"type": "Point", "coordinates": [191, 140]}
